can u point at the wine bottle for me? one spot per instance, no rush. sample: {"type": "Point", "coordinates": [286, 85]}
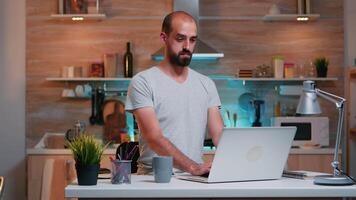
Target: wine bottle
{"type": "Point", "coordinates": [128, 59]}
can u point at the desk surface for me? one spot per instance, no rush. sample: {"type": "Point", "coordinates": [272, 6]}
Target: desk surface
{"type": "Point", "coordinates": [145, 187]}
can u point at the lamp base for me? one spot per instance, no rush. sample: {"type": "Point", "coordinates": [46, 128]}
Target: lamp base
{"type": "Point", "coordinates": [333, 180]}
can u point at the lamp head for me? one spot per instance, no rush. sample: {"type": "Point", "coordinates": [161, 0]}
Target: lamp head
{"type": "Point", "coordinates": [308, 102]}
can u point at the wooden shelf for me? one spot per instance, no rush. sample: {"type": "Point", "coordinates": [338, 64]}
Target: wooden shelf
{"type": "Point", "coordinates": [87, 79]}
{"type": "Point", "coordinates": [290, 17]}
{"type": "Point", "coordinates": [78, 17]}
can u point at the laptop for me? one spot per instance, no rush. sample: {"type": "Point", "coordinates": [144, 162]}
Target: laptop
{"type": "Point", "coordinates": [249, 154]}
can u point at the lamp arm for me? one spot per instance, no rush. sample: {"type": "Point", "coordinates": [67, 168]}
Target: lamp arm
{"type": "Point", "coordinates": [339, 102]}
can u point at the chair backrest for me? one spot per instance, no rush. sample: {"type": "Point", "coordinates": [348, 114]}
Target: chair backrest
{"type": "Point", "coordinates": [2, 180]}
{"type": "Point", "coordinates": [129, 151]}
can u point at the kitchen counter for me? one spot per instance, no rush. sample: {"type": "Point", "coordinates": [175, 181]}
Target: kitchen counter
{"type": "Point", "coordinates": [110, 151]}
{"type": "Point", "coordinates": [145, 187]}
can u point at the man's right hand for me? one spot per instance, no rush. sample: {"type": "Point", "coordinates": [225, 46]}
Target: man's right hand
{"type": "Point", "coordinates": [200, 169]}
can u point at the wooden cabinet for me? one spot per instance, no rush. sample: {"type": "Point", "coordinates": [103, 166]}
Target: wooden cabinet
{"type": "Point", "coordinates": [310, 162]}
{"type": "Point", "coordinates": [64, 170]}
{"type": "Point", "coordinates": [63, 173]}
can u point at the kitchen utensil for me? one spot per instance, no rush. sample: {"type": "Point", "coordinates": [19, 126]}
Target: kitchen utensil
{"type": "Point", "coordinates": [99, 100]}
{"type": "Point", "coordinates": [114, 119]}
{"type": "Point", "coordinates": [79, 128]}
{"type": "Point", "coordinates": [235, 119]}
{"type": "Point", "coordinates": [87, 90]}
{"type": "Point", "coordinates": [257, 105]}
{"type": "Point", "coordinates": [92, 118]}
{"type": "Point", "coordinates": [79, 91]}
{"type": "Point", "coordinates": [244, 101]}
{"type": "Point", "coordinates": [226, 118]}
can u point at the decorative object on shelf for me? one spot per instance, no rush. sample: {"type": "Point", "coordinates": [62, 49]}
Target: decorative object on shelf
{"type": "Point", "coordinates": [68, 93]}
{"type": "Point", "coordinates": [128, 61]}
{"type": "Point", "coordinates": [83, 91]}
{"type": "Point", "coordinates": [71, 71]}
{"type": "Point", "coordinates": [97, 70]}
{"type": "Point", "coordinates": [75, 6]}
{"type": "Point", "coordinates": [289, 70]}
{"type": "Point", "coordinates": [78, 10]}
{"type": "Point", "coordinates": [278, 64]}
{"type": "Point", "coordinates": [93, 6]}
{"type": "Point", "coordinates": [303, 13]}
{"type": "Point", "coordinates": [245, 73]}
{"type": "Point", "coordinates": [87, 153]}
{"type": "Point", "coordinates": [274, 10]}
{"type": "Point", "coordinates": [310, 71]}
{"type": "Point", "coordinates": [303, 7]}
{"type": "Point", "coordinates": [321, 64]}
{"type": "Point", "coordinates": [309, 105]}
{"type": "Point", "coordinates": [262, 71]}
{"type": "Point", "coordinates": [110, 65]}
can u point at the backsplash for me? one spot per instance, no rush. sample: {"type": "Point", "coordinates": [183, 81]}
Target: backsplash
{"type": "Point", "coordinates": [53, 44]}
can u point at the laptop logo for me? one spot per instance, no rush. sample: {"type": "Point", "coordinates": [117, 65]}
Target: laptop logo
{"type": "Point", "coordinates": [254, 154]}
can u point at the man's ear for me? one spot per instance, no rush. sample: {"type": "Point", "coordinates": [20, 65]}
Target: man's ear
{"type": "Point", "coordinates": [163, 36]}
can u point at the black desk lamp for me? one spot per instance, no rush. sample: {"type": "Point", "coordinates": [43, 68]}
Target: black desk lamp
{"type": "Point", "coordinates": [309, 105]}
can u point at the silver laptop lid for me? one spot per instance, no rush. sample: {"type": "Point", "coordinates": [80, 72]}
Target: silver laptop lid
{"type": "Point", "coordinates": [257, 153]}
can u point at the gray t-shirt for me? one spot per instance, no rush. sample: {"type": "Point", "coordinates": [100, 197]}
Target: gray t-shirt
{"type": "Point", "coordinates": [181, 109]}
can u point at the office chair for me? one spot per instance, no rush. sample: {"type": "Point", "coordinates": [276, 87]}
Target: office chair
{"type": "Point", "coordinates": [1, 186]}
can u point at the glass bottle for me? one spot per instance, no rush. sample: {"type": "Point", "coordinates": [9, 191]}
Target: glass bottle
{"type": "Point", "coordinates": [128, 62]}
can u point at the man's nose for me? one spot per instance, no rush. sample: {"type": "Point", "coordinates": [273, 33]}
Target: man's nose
{"type": "Point", "coordinates": [186, 44]}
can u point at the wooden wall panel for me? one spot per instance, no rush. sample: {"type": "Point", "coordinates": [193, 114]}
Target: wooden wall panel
{"type": "Point", "coordinates": [52, 44]}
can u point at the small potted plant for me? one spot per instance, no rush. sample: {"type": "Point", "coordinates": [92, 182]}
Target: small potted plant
{"type": "Point", "coordinates": [87, 154]}
{"type": "Point", "coordinates": [321, 65]}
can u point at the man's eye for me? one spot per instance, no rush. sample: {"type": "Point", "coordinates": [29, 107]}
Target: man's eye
{"type": "Point", "coordinates": [193, 39]}
{"type": "Point", "coordinates": [180, 39]}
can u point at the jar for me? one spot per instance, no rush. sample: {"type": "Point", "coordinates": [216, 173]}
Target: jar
{"type": "Point", "coordinates": [278, 65]}
{"type": "Point", "coordinates": [289, 70]}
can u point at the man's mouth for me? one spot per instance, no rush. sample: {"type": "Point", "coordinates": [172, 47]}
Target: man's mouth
{"type": "Point", "coordinates": [186, 54]}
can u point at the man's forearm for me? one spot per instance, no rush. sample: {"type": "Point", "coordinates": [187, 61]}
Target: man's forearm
{"type": "Point", "coordinates": [162, 146]}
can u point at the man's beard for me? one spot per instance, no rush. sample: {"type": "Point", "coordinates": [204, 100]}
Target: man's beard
{"type": "Point", "coordinates": [179, 61]}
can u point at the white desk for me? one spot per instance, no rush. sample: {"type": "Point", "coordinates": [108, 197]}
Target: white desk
{"type": "Point", "coordinates": [145, 187]}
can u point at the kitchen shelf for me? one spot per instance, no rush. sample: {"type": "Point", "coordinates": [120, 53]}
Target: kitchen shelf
{"type": "Point", "coordinates": [83, 16]}
{"type": "Point", "coordinates": [290, 17]}
{"type": "Point", "coordinates": [87, 79]}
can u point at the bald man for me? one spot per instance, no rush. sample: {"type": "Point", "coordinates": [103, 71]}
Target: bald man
{"type": "Point", "coordinates": [174, 105]}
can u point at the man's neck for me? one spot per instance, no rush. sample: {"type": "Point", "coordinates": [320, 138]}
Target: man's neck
{"type": "Point", "coordinates": [177, 73]}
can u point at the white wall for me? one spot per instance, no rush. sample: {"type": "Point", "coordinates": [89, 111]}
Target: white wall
{"type": "Point", "coordinates": [350, 31]}
{"type": "Point", "coordinates": [350, 55]}
{"type": "Point", "coordinates": [12, 98]}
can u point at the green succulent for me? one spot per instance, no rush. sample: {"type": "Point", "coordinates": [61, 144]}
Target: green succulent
{"type": "Point", "coordinates": [321, 63]}
{"type": "Point", "coordinates": [86, 150]}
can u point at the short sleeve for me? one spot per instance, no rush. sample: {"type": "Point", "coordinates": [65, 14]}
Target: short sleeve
{"type": "Point", "coordinates": [214, 99]}
{"type": "Point", "coordinates": [139, 94]}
